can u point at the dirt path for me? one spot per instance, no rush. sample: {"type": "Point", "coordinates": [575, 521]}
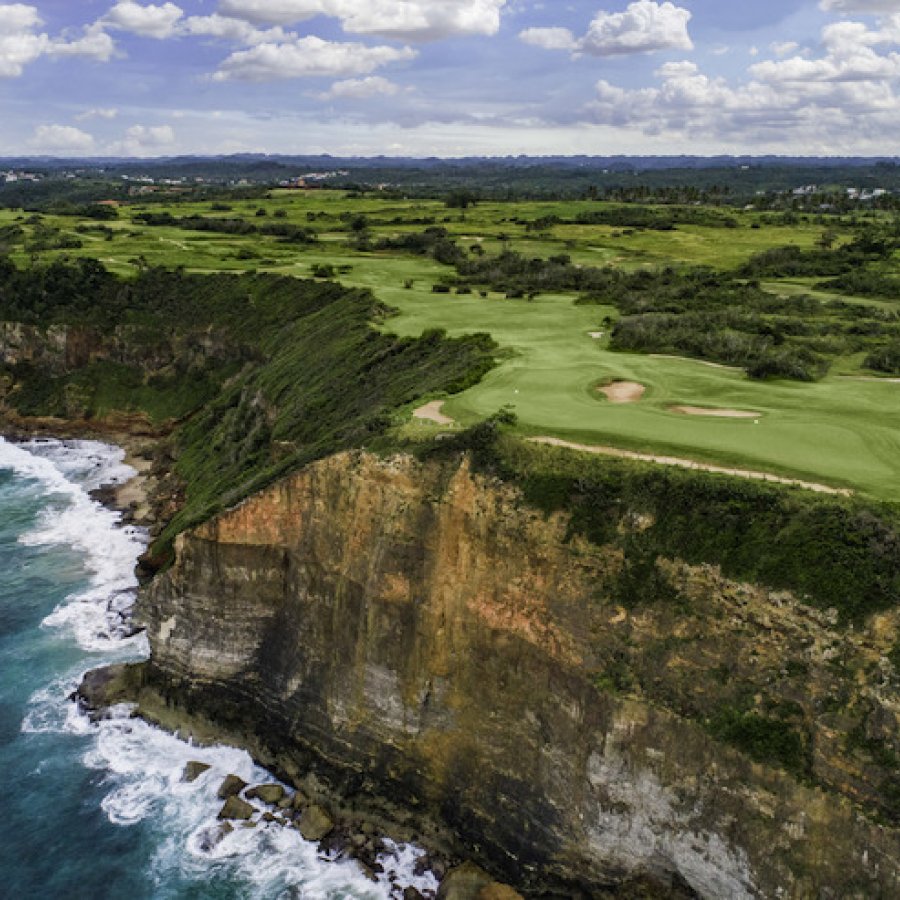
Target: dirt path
{"type": "Point", "coordinates": [702, 362]}
{"type": "Point", "coordinates": [870, 378]}
{"type": "Point", "coordinates": [691, 464]}
{"type": "Point", "coordinates": [431, 412]}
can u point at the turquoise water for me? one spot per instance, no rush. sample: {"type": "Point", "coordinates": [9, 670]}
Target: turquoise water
{"type": "Point", "coordinates": [99, 811]}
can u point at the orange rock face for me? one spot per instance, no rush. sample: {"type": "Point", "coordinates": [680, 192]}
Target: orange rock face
{"type": "Point", "coordinates": [419, 630]}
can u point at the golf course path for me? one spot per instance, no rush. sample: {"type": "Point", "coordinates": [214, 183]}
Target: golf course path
{"type": "Point", "coordinates": [691, 464]}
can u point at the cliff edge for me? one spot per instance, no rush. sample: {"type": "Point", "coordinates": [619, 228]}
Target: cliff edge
{"type": "Point", "coordinates": [417, 631]}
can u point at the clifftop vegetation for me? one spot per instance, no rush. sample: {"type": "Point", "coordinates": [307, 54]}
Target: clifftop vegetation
{"type": "Point", "coordinates": [258, 374]}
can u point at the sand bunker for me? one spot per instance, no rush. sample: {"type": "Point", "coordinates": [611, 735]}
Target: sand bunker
{"type": "Point", "coordinates": [714, 413]}
{"type": "Point", "coordinates": [596, 335]}
{"type": "Point", "coordinates": [622, 391]}
{"type": "Point", "coordinates": [431, 412]}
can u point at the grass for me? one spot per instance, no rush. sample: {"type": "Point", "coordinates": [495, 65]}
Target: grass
{"type": "Point", "coordinates": [840, 431]}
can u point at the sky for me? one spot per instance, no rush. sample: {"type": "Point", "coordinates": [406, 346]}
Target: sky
{"type": "Point", "coordinates": [450, 77]}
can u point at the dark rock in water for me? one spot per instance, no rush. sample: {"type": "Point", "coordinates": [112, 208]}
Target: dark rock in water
{"type": "Point", "coordinates": [103, 688]}
{"type": "Point", "coordinates": [367, 871]}
{"type": "Point", "coordinates": [268, 793]}
{"type": "Point", "coordinates": [469, 882]}
{"type": "Point", "coordinates": [315, 823]}
{"type": "Point", "coordinates": [285, 802]}
{"type": "Point", "coordinates": [336, 842]}
{"type": "Point", "coordinates": [235, 808]}
{"type": "Point", "coordinates": [193, 770]}
{"type": "Point", "coordinates": [411, 893]}
{"type": "Point", "coordinates": [231, 787]}
{"type": "Point", "coordinates": [212, 837]}
{"type": "Point", "coordinates": [300, 800]}
{"type": "Point", "coordinates": [105, 495]}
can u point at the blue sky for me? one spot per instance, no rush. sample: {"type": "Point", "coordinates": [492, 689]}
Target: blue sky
{"type": "Point", "coordinates": [450, 77]}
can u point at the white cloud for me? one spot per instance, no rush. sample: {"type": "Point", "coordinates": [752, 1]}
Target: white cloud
{"type": "Point", "coordinates": [151, 135]}
{"type": "Point", "coordinates": [144, 140]}
{"type": "Point", "coordinates": [19, 17]}
{"type": "Point", "coordinates": [644, 27]}
{"type": "Point", "coordinates": [859, 6]}
{"type": "Point", "coordinates": [276, 12]}
{"type": "Point", "coordinates": [421, 19]}
{"type": "Point", "coordinates": [19, 44]}
{"type": "Point", "coordinates": [229, 29]}
{"type": "Point", "coordinates": [362, 88]}
{"type": "Point", "coordinates": [61, 139]}
{"type": "Point", "coordinates": [97, 113]}
{"type": "Point", "coordinates": [846, 95]}
{"type": "Point", "coordinates": [95, 44]}
{"type": "Point", "coordinates": [850, 55]}
{"type": "Point", "coordinates": [549, 38]}
{"type": "Point", "coordinates": [147, 21]}
{"type": "Point", "coordinates": [308, 57]}
{"type": "Point", "coordinates": [403, 19]}
{"type": "Point", "coordinates": [783, 48]}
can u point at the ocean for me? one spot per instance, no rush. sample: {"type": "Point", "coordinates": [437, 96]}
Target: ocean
{"type": "Point", "coordinates": [100, 811]}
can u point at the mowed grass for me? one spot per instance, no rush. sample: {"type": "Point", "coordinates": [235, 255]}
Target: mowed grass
{"type": "Point", "coordinates": [841, 431]}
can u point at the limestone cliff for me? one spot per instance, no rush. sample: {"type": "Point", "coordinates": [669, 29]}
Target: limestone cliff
{"type": "Point", "coordinates": [417, 631]}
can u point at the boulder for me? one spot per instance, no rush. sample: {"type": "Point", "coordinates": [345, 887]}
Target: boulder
{"type": "Point", "coordinates": [268, 793]}
{"type": "Point", "coordinates": [469, 882]}
{"type": "Point", "coordinates": [497, 891]}
{"type": "Point", "coordinates": [231, 787]}
{"type": "Point", "coordinates": [235, 808]}
{"type": "Point", "coordinates": [193, 770]}
{"type": "Point", "coordinates": [212, 837]}
{"type": "Point", "coordinates": [315, 823]}
{"type": "Point", "coordinates": [102, 688]}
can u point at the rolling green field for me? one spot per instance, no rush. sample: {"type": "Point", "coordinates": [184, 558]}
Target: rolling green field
{"type": "Point", "coordinates": [843, 430]}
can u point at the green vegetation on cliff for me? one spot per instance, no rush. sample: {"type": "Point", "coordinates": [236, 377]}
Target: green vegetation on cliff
{"type": "Point", "coordinates": [258, 374]}
{"type": "Point", "coordinates": [836, 553]}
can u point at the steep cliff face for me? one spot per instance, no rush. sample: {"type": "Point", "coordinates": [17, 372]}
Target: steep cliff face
{"type": "Point", "coordinates": [417, 631]}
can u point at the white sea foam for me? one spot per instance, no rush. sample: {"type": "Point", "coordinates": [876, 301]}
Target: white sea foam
{"type": "Point", "coordinates": [142, 765]}
{"type": "Point", "coordinates": [144, 769]}
{"type": "Point", "coordinates": [66, 471]}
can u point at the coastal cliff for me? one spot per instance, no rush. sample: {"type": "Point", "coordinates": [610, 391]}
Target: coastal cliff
{"type": "Point", "coordinates": [418, 632]}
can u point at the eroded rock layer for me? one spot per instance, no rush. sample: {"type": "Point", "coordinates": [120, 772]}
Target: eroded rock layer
{"type": "Point", "coordinates": [418, 631]}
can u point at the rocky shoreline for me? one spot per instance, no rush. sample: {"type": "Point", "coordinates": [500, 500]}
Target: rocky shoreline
{"type": "Point", "coordinates": [306, 801]}
{"type": "Point", "coordinates": [320, 813]}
